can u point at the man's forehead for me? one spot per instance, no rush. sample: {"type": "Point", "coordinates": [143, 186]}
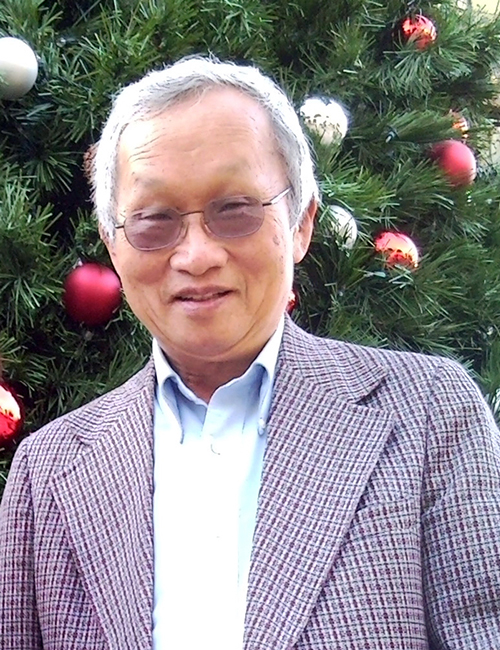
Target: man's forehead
{"type": "Point", "coordinates": [223, 115]}
{"type": "Point", "coordinates": [218, 106]}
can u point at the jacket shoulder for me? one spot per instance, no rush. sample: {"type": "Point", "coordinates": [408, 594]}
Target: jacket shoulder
{"type": "Point", "coordinates": [351, 367]}
{"type": "Point", "coordinates": [67, 433]}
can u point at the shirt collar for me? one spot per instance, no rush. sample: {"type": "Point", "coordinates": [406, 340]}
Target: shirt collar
{"type": "Point", "coordinates": [267, 359]}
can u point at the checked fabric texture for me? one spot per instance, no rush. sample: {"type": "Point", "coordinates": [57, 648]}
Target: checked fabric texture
{"type": "Point", "coordinates": [378, 524]}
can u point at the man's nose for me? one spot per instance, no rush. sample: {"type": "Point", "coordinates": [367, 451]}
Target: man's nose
{"type": "Point", "coordinates": [197, 251]}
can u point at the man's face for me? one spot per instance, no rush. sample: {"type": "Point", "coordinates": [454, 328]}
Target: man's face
{"type": "Point", "coordinates": [207, 299]}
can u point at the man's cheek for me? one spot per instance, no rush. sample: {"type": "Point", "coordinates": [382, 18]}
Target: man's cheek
{"type": "Point", "coordinates": [142, 273]}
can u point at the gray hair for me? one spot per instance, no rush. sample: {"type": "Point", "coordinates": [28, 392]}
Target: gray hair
{"type": "Point", "coordinates": [160, 89]}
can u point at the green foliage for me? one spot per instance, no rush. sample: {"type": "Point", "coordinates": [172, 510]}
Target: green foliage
{"type": "Point", "coordinates": [399, 100]}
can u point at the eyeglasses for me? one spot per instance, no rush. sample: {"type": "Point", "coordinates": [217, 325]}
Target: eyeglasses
{"type": "Point", "coordinates": [228, 218]}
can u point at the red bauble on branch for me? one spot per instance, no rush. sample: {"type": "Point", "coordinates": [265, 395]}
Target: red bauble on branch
{"type": "Point", "coordinates": [92, 292]}
{"type": "Point", "coordinates": [292, 301]}
{"type": "Point", "coordinates": [456, 160]}
{"type": "Point", "coordinates": [11, 414]}
{"type": "Point", "coordinates": [419, 30]}
{"type": "Point", "coordinates": [397, 248]}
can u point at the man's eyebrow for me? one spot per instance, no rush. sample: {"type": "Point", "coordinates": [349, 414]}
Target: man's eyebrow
{"type": "Point", "coordinates": [147, 180]}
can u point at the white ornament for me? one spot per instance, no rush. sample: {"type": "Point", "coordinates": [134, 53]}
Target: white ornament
{"type": "Point", "coordinates": [327, 118]}
{"type": "Point", "coordinates": [342, 225]}
{"type": "Point", "coordinates": [18, 68]}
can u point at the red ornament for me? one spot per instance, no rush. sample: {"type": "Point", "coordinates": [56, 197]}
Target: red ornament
{"type": "Point", "coordinates": [292, 301]}
{"type": "Point", "coordinates": [92, 292]}
{"type": "Point", "coordinates": [456, 160]}
{"type": "Point", "coordinates": [460, 123]}
{"type": "Point", "coordinates": [419, 30]}
{"type": "Point", "coordinates": [11, 414]}
{"type": "Point", "coordinates": [397, 249]}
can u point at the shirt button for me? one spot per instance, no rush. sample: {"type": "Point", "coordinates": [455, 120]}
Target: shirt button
{"type": "Point", "coordinates": [214, 448]}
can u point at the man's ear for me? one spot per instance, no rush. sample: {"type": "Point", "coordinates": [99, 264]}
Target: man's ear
{"type": "Point", "coordinates": [303, 233]}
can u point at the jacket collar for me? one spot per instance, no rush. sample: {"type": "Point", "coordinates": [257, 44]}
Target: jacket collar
{"type": "Point", "coordinates": [349, 372]}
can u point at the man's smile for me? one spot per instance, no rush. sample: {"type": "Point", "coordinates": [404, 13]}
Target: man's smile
{"type": "Point", "coordinates": [201, 294]}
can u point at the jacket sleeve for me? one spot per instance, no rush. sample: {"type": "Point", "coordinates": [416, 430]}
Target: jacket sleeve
{"type": "Point", "coordinates": [19, 628]}
{"type": "Point", "coordinates": [461, 516]}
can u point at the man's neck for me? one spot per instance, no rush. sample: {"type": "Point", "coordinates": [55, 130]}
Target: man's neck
{"type": "Point", "coordinates": [204, 382]}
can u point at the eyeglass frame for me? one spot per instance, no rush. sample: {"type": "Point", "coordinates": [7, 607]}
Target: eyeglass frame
{"type": "Point", "coordinates": [264, 204]}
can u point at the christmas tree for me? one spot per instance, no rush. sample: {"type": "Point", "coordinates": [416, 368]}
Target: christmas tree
{"type": "Point", "coordinates": [398, 86]}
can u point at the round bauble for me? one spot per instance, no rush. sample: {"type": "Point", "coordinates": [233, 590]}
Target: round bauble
{"type": "Point", "coordinates": [11, 414]}
{"type": "Point", "coordinates": [456, 160]}
{"type": "Point", "coordinates": [92, 292]}
{"type": "Point", "coordinates": [397, 248]}
{"type": "Point", "coordinates": [292, 301]}
{"type": "Point", "coordinates": [460, 123]}
{"type": "Point", "coordinates": [88, 162]}
{"type": "Point", "coordinates": [18, 68]}
{"type": "Point", "coordinates": [342, 225]}
{"type": "Point", "coordinates": [326, 118]}
{"type": "Point", "coordinates": [419, 30]}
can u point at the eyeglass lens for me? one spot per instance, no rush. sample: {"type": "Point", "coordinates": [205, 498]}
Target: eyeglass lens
{"type": "Point", "coordinates": [227, 218]}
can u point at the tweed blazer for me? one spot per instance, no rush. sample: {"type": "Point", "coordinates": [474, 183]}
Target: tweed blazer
{"type": "Point", "coordinates": [378, 521]}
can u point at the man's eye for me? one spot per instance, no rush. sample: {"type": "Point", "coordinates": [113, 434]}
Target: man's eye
{"type": "Point", "coordinates": [155, 217]}
{"type": "Point", "coordinates": [235, 205]}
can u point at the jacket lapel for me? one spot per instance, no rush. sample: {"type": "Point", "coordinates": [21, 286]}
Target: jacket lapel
{"type": "Point", "coordinates": [110, 530]}
{"type": "Point", "coordinates": [322, 447]}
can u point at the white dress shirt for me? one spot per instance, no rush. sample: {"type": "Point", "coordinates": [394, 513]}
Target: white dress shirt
{"type": "Point", "coordinates": [207, 468]}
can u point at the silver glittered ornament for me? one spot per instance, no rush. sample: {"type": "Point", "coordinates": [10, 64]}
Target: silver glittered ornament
{"type": "Point", "coordinates": [325, 117]}
{"type": "Point", "coordinates": [18, 68]}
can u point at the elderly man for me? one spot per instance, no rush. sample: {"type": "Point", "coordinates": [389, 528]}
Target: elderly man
{"type": "Point", "coordinates": [254, 486]}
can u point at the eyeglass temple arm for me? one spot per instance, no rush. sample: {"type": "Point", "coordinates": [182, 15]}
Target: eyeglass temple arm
{"type": "Point", "coordinates": [278, 197]}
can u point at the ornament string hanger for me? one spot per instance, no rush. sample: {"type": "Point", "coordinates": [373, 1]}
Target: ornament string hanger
{"type": "Point", "coordinates": [414, 10]}
{"type": "Point", "coordinates": [413, 7]}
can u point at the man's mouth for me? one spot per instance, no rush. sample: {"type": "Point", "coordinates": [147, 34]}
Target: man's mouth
{"type": "Point", "coordinates": [200, 296]}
